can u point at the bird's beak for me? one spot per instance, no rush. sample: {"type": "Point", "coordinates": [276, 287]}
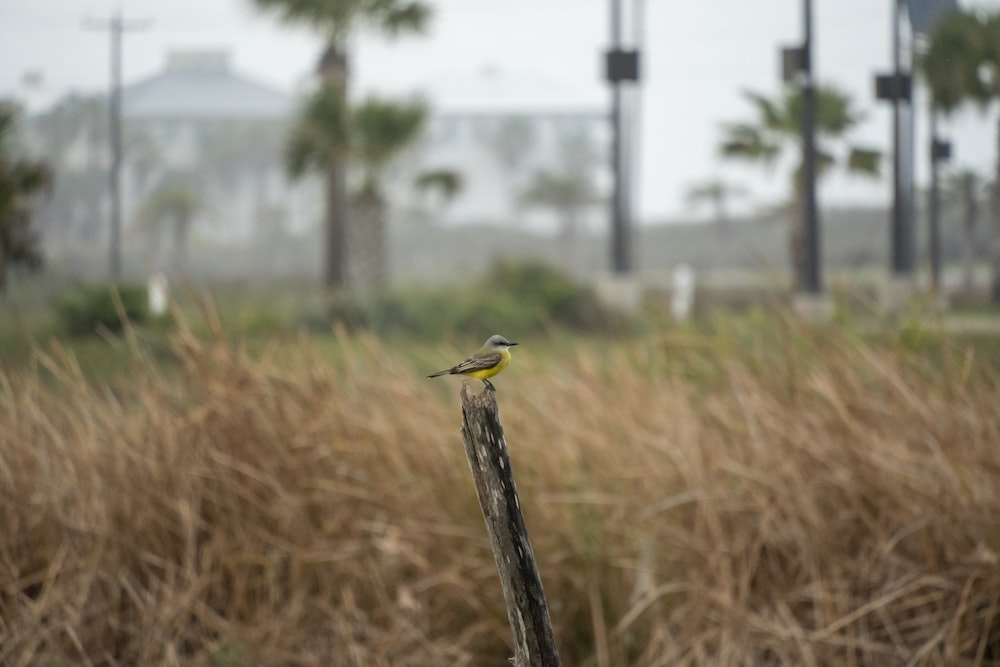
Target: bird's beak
{"type": "Point", "coordinates": [511, 344]}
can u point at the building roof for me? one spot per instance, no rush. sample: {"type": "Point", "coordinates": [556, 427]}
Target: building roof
{"type": "Point", "coordinates": [202, 84]}
{"type": "Point", "coordinates": [492, 91]}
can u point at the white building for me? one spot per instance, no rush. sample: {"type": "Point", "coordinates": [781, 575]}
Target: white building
{"type": "Point", "coordinates": [225, 134]}
{"type": "Point", "coordinates": [499, 130]}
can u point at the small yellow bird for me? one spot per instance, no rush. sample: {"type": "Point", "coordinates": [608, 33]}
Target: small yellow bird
{"type": "Point", "coordinates": [491, 358]}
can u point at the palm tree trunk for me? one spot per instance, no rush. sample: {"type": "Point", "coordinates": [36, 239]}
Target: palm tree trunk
{"type": "Point", "coordinates": [335, 223]}
{"type": "Point", "coordinates": [333, 71]}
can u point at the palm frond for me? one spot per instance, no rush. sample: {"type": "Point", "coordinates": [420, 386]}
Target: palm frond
{"type": "Point", "coordinates": [32, 177]}
{"type": "Point", "coordinates": [825, 161]}
{"type": "Point", "coordinates": [304, 151]}
{"type": "Point", "coordinates": [447, 181]}
{"type": "Point", "coordinates": [397, 18]}
{"type": "Point", "coordinates": [327, 114]}
{"type": "Point", "coordinates": [329, 16]}
{"type": "Point", "coordinates": [337, 19]}
{"type": "Point", "coordinates": [835, 112]}
{"type": "Point", "coordinates": [381, 129]}
{"type": "Point", "coordinates": [771, 116]}
{"type": "Point", "coordinates": [748, 142]}
{"type": "Point", "coordinates": [958, 46]}
{"type": "Point", "coordinates": [319, 132]}
{"type": "Point", "coordinates": [865, 161]}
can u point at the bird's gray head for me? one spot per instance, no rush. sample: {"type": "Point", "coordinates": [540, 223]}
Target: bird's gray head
{"type": "Point", "coordinates": [498, 342]}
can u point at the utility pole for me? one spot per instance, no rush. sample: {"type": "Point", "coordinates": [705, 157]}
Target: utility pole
{"type": "Point", "coordinates": [896, 88]}
{"type": "Point", "coordinates": [902, 260]}
{"type": "Point", "coordinates": [811, 282]}
{"type": "Point", "coordinates": [621, 65]}
{"type": "Point", "coordinates": [115, 26]}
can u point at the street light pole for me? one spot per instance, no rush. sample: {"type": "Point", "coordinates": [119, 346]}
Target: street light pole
{"type": "Point", "coordinates": [896, 88]}
{"type": "Point", "coordinates": [620, 65]}
{"type": "Point", "coordinates": [902, 232]}
{"type": "Point", "coordinates": [809, 275]}
{"type": "Point", "coordinates": [898, 254]}
{"type": "Point", "coordinates": [619, 225]}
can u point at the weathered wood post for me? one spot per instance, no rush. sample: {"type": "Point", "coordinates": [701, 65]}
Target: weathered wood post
{"type": "Point", "coordinates": [527, 611]}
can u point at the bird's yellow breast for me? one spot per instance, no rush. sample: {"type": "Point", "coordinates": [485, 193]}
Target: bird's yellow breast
{"type": "Point", "coordinates": [490, 372]}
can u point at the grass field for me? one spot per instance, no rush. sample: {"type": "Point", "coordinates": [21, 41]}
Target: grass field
{"type": "Point", "coordinates": [741, 492]}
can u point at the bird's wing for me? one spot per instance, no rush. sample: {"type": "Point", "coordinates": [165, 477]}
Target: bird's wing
{"type": "Point", "coordinates": [478, 363]}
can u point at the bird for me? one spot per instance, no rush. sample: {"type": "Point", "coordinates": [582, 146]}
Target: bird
{"type": "Point", "coordinates": [491, 358]}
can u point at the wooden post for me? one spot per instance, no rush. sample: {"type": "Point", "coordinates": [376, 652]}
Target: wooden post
{"type": "Point", "coordinates": [527, 610]}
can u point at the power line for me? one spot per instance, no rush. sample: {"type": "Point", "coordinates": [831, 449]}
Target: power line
{"type": "Point", "coordinates": [116, 26]}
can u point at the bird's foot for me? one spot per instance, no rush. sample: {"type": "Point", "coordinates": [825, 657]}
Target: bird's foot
{"type": "Point", "coordinates": [489, 385]}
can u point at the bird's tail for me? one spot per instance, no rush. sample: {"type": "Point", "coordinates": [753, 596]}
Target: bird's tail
{"type": "Point", "coordinates": [440, 373]}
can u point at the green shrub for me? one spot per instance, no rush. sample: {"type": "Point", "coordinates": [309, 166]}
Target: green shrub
{"type": "Point", "coordinates": [511, 297]}
{"type": "Point", "coordinates": [91, 307]}
{"type": "Point", "coordinates": [553, 296]}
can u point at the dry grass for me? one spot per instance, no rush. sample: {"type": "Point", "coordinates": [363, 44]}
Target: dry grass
{"type": "Point", "coordinates": [809, 500]}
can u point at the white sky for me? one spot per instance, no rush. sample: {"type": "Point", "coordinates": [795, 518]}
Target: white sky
{"type": "Point", "coordinates": [699, 55]}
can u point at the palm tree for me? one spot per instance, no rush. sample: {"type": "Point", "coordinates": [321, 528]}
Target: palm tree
{"type": "Point", "coordinates": [717, 193]}
{"type": "Point", "coordinates": [20, 181]}
{"type": "Point", "coordinates": [447, 183]}
{"type": "Point", "coordinates": [777, 129]}
{"type": "Point", "coordinates": [961, 65]}
{"type": "Point", "coordinates": [372, 134]}
{"type": "Point", "coordinates": [381, 130]}
{"type": "Point", "coordinates": [173, 207]}
{"type": "Point", "coordinates": [338, 20]}
{"type": "Point", "coordinates": [568, 194]}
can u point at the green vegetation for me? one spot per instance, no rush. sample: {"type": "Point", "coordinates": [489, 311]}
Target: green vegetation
{"type": "Point", "coordinates": [381, 131]}
{"type": "Point", "coordinates": [21, 180]}
{"type": "Point", "coordinates": [372, 134]}
{"type": "Point", "coordinates": [522, 297]}
{"type": "Point", "coordinates": [325, 119]}
{"type": "Point", "coordinates": [91, 308]}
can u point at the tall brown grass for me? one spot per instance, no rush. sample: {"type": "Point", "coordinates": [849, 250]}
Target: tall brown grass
{"type": "Point", "coordinates": [757, 497]}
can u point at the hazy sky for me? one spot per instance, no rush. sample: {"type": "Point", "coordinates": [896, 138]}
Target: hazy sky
{"type": "Point", "coordinates": [698, 56]}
